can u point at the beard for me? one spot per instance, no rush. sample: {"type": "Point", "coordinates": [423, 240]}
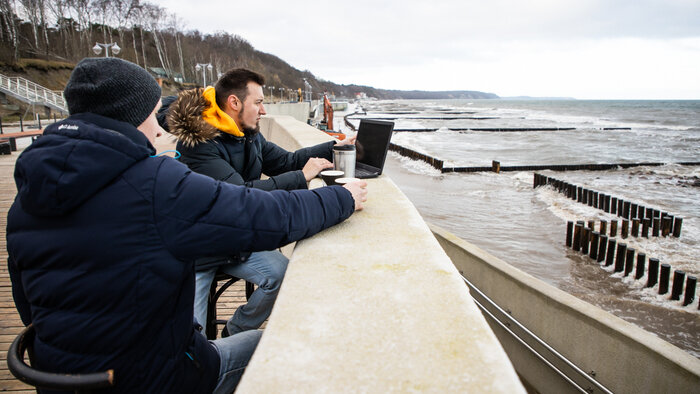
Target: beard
{"type": "Point", "coordinates": [247, 131]}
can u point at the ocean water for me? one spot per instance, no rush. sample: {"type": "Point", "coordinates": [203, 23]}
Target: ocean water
{"type": "Point", "coordinates": [526, 226]}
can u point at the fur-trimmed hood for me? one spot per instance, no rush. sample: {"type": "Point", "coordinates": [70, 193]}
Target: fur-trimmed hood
{"type": "Point", "coordinates": [185, 120]}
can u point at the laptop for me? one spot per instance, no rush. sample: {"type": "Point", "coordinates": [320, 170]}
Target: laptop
{"type": "Point", "coordinates": [372, 143]}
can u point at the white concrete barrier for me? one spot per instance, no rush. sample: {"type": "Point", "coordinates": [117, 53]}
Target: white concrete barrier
{"type": "Point", "coordinates": [298, 111]}
{"type": "Point", "coordinates": [374, 305]}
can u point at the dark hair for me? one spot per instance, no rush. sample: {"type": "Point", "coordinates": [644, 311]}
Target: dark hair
{"type": "Point", "coordinates": [235, 82]}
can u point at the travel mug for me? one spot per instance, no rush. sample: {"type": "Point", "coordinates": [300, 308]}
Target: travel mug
{"type": "Point", "coordinates": [344, 159]}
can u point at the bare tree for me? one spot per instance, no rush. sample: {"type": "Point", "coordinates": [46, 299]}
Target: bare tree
{"type": "Point", "coordinates": [122, 11]}
{"type": "Point", "coordinates": [59, 12]}
{"type": "Point", "coordinates": [31, 11]}
{"type": "Point", "coordinates": [140, 18]}
{"type": "Point", "coordinates": [83, 13]}
{"type": "Point", "coordinates": [174, 23]}
{"type": "Point", "coordinates": [7, 8]}
{"type": "Point", "coordinates": [156, 15]}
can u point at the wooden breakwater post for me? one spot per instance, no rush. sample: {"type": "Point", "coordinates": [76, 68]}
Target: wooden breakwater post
{"type": "Point", "coordinates": [690, 285]}
{"type": "Point", "coordinates": [677, 287]}
{"type": "Point", "coordinates": [664, 278]}
{"type": "Point", "coordinates": [624, 232]}
{"type": "Point", "coordinates": [646, 223]}
{"type": "Point", "coordinates": [569, 233]}
{"type": "Point", "coordinates": [594, 245]}
{"type": "Point", "coordinates": [611, 252]}
{"type": "Point", "coordinates": [629, 261]}
{"type": "Point", "coordinates": [613, 228]}
{"type": "Point", "coordinates": [578, 228]}
{"type": "Point", "coordinates": [603, 227]}
{"type": "Point", "coordinates": [585, 239]}
{"type": "Point", "coordinates": [635, 227]}
{"type": "Point", "coordinates": [653, 277]}
{"type": "Point", "coordinates": [656, 224]}
{"type": "Point", "coordinates": [666, 223]}
{"type": "Point", "coordinates": [602, 248]}
{"type": "Point", "coordinates": [641, 262]}
{"type": "Point", "coordinates": [496, 166]}
{"type": "Point", "coordinates": [678, 223]}
{"type": "Point", "coordinates": [621, 256]}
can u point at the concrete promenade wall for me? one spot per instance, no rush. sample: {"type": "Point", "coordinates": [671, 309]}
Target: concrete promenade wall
{"type": "Point", "coordinates": [622, 356]}
{"type": "Point", "coordinates": [374, 305]}
{"type": "Point", "coordinates": [298, 111]}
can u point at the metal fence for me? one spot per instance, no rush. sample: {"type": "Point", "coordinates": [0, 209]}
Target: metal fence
{"type": "Point", "coordinates": [31, 92]}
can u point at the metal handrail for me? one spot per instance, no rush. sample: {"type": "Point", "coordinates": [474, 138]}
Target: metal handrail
{"type": "Point", "coordinates": [532, 335]}
{"type": "Point", "coordinates": [31, 92]}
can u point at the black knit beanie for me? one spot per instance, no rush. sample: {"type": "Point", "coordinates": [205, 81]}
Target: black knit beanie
{"type": "Point", "coordinates": [112, 87]}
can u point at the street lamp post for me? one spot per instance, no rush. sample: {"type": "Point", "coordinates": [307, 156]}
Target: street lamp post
{"type": "Point", "coordinates": [98, 48]}
{"type": "Point", "coordinates": [307, 91]}
{"type": "Point", "coordinates": [281, 94]}
{"type": "Point", "coordinates": [272, 96]}
{"type": "Point", "coordinates": [203, 67]}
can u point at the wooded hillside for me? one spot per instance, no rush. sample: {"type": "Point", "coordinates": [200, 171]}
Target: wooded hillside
{"type": "Point", "coordinates": [65, 31]}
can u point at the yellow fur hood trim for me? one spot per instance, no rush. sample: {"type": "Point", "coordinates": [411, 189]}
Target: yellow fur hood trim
{"type": "Point", "coordinates": [216, 117]}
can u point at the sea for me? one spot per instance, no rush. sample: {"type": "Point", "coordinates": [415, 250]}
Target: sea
{"type": "Point", "coordinates": [525, 226]}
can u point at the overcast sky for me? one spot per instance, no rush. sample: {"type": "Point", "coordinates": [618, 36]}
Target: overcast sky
{"type": "Point", "coordinates": [587, 49]}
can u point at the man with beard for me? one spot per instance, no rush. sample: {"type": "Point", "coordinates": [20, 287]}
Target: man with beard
{"type": "Point", "coordinates": [218, 135]}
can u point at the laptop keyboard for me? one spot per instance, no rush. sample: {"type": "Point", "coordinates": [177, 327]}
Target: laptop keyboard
{"type": "Point", "coordinates": [361, 172]}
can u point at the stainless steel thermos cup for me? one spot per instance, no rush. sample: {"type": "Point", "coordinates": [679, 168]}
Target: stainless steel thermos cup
{"type": "Point", "coordinates": [344, 159]}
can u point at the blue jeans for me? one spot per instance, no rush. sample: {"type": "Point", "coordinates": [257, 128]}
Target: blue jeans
{"type": "Point", "coordinates": [265, 269]}
{"type": "Point", "coordinates": [234, 352]}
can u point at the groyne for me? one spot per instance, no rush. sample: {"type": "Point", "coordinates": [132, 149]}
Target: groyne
{"type": "Point", "coordinates": [496, 166]}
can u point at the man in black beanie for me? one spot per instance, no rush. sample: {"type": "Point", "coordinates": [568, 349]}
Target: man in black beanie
{"type": "Point", "coordinates": [103, 234]}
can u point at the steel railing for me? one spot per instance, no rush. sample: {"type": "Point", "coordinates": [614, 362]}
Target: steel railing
{"type": "Point", "coordinates": [548, 355]}
{"type": "Point", "coordinates": [31, 92]}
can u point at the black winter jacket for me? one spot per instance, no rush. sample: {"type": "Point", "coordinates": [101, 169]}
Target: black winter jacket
{"type": "Point", "coordinates": [102, 238]}
{"type": "Point", "coordinates": [237, 160]}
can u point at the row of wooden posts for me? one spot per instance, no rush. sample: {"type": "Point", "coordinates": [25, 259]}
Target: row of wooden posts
{"type": "Point", "coordinates": [640, 217]}
{"type": "Point", "coordinates": [608, 251]}
{"type": "Point", "coordinates": [415, 155]}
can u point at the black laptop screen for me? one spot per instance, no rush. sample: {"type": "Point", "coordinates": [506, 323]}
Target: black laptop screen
{"type": "Point", "coordinates": [372, 142]}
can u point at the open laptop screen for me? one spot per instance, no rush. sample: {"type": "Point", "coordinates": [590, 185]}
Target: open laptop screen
{"type": "Point", "coordinates": [373, 138]}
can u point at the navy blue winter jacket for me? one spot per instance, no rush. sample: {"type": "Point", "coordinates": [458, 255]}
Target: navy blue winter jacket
{"type": "Point", "coordinates": [101, 241]}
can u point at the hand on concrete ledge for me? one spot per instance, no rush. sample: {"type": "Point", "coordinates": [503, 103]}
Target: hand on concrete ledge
{"type": "Point", "coordinates": [359, 192]}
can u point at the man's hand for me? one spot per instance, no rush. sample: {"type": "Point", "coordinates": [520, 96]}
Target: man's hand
{"type": "Point", "coordinates": [314, 166]}
{"type": "Point", "coordinates": [359, 192]}
{"type": "Point", "coordinates": [347, 141]}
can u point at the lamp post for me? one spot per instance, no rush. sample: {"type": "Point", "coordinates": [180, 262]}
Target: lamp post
{"type": "Point", "coordinates": [272, 96]}
{"type": "Point", "coordinates": [307, 91]}
{"type": "Point", "coordinates": [203, 67]}
{"type": "Point", "coordinates": [98, 48]}
{"type": "Point", "coordinates": [281, 94]}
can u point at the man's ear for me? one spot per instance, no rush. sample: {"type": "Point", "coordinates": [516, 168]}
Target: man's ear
{"type": "Point", "coordinates": [233, 102]}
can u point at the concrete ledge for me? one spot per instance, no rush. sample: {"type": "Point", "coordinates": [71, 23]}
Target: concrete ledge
{"type": "Point", "coordinates": [299, 111]}
{"type": "Point", "coordinates": [622, 356]}
{"type": "Point", "coordinates": [374, 305]}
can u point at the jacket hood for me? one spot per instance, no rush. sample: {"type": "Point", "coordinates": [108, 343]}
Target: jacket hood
{"type": "Point", "coordinates": [73, 160]}
{"type": "Point", "coordinates": [185, 120]}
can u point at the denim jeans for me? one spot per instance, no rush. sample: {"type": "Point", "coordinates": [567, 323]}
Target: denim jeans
{"type": "Point", "coordinates": [235, 352]}
{"type": "Point", "coordinates": [265, 269]}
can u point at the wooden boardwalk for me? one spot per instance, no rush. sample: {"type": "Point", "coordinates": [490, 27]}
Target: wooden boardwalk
{"type": "Point", "coordinates": [10, 324]}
